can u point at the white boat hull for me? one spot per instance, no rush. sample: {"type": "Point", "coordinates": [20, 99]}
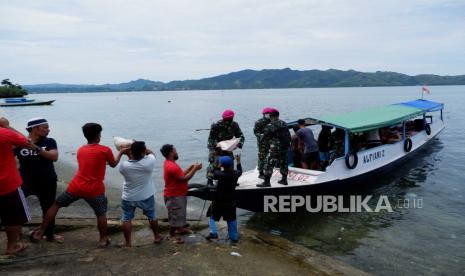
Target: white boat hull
{"type": "Point", "coordinates": [368, 160]}
{"type": "Point", "coordinates": [337, 176]}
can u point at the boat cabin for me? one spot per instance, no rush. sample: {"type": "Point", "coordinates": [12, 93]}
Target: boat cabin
{"type": "Point", "coordinates": [359, 131]}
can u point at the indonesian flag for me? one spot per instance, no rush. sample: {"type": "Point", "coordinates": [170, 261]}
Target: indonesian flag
{"type": "Point", "coordinates": [425, 89]}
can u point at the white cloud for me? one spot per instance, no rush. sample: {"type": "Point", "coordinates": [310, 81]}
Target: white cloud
{"type": "Point", "coordinates": [92, 41]}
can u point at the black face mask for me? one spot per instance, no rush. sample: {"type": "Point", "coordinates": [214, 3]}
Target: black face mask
{"type": "Point", "coordinates": [228, 122]}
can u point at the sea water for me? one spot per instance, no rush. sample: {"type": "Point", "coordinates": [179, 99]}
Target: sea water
{"type": "Point", "coordinates": [427, 240]}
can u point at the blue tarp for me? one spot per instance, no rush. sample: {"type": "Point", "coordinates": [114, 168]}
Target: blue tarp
{"type": "Point", "coordinates": [424, 105]}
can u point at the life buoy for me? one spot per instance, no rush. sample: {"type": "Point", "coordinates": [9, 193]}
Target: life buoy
{"type": "Point", "coordinates": [408, 145]}
{"type": "Point", "coordinates": [351, 160]}
{"type": "Point", "coordinates": [428, 129]}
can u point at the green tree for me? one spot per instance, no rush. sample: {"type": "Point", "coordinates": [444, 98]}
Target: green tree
{"type": "Point", "coordinates": [10, 90]}
{"type": "Point", "coordinates": [7, 82]}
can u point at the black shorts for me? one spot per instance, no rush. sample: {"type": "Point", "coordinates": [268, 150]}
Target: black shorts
{"type": "Point", "coordinates": [13, 209]}
{"type": "Point", "coordinates": [39, 188]}
{"type": "Point", "coordinates": [227, 210]}
{"type": "Point", "coordinates": [311, 157]}
{"type": "Point", "coordinates": [99, 203]}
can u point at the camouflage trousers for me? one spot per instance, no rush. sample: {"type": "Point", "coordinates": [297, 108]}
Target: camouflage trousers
{"type": "Point", "coordinates": [214, 161]}
{"type": "Point", "coordinates": [276, 159]}
{"type": "Point", "coordinates": [261, 156]}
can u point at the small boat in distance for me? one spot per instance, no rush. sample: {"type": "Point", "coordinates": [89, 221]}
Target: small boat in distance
{"type": "Point", "coordinates": [401, 130]}
{"type": "Point", "coordinates": [23, 102]}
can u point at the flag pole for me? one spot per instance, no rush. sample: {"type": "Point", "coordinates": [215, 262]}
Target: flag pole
{"type": "Point", "coordinates": [423, 90]}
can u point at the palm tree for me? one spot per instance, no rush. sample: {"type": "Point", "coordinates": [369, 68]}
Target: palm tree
{"type": "Point", "coordinates": [7, 82]}
{"type": "Point", "coordinates": [8, 89]}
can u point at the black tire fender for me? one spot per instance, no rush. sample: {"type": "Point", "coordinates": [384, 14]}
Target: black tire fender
{"type": "Point", "coordinates": [408, 145]}
{"type": "Point", "coordinates": [351, 160]}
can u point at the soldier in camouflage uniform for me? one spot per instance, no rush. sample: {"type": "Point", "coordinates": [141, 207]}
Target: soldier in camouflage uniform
{"type": "Point", "coordinates": [277, 141]}
{"type": "Point", "coordinates": [222, 130]}
{"type": "Point", "coordinates": [258, 129]}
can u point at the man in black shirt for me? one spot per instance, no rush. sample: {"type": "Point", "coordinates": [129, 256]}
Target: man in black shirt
{"type": "Point", "coordinates": [224, 204]}
{"type": "Point", "coordinates": [37, 170]}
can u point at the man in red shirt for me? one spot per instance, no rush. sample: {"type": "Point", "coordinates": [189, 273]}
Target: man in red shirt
{"type": "Point", "coordinates": [176, 190]}
{"type": "Point", "coordinates": [87, 184]}
{"type": "Point", "coordinates": [13, 206]}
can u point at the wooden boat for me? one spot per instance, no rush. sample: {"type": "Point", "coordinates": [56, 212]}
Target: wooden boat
{"type": "Point", "coordinates": [418, 121]}
{"type": "Point", "coordinates": [24, 102]}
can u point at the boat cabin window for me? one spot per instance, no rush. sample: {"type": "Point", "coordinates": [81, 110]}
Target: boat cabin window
{"type": "Point", "coordinates": [391, 135]}
{"type": "Point", "coordinates": [388, 135]}
{"type": "Point", "coordinates": [376, 137]}
{"type": "Point", "coordinates": [412, 127]}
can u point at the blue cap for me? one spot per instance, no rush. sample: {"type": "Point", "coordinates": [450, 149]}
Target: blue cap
{"type": "Point", "coordinates": [226, 161]}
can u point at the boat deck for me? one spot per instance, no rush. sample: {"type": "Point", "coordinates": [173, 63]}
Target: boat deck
{"type": "Point", "coordinates": [296, 177]}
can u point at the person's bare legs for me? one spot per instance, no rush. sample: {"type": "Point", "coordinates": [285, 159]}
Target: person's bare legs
{"type": "Point", "coordinates": [127, 229]}
{"type": "Point", "coordinates": [172, 231]}
{"type": "Point", "coordinates": [178, 240]}
{"type": "Point", "coordinates": [49, 217]}
{"type": "Point", "coordinates": [156, 234]}
{"type": "Point", "coordinates": [102, 229]}
{"type": "Point", "coordinates": [12, 234]}
{"type": "Point", "coordinates": [183, 231]}
{"type": "Point", "coordinates": [314, 165]}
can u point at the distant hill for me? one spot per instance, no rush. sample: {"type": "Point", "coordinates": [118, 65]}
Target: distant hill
{"type": "Point", "coordinates": [268, 78]}
{"type": "Point", "coordinates": [136, 85]}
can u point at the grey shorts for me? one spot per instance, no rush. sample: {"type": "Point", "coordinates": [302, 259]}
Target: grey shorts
{"type": "Point", "coordinates": [99, 203]}
{"type": "Point", "coordinates": [176, 210]}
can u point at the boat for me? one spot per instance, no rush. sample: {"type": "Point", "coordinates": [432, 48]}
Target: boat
{"type": "Point", "coordinates": [24, 102]}
{"type": "Point", "coordinates": [418, 122]}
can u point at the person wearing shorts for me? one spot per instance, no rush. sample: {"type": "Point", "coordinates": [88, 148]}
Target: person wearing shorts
{"type": "Point", "coordinates": [176, 206]}
{"type": "Point", "coordinates": [13, 206]}
{"type": "Point", "coordinates": [87, 184]}
{"type": "Point", "coordinates": [176, 190]}
{"type": "Point", "coordinates": [138, 189]}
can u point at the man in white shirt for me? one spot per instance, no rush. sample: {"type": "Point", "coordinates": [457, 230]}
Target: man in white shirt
{"type": "Point", "coordinates": [138, 189]}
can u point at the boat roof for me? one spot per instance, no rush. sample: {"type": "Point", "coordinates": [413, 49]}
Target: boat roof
{"type": "Point", "coordinates": [376, 117]}
{"type": "Point", "coordinates": [424, 105]}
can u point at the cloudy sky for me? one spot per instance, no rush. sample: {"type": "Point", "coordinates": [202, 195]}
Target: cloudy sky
{"type": "Point", "coordinates": [94, 41]}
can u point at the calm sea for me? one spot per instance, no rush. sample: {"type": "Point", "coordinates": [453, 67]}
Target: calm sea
{"type": "Point", "coordinates": [427, 240]}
